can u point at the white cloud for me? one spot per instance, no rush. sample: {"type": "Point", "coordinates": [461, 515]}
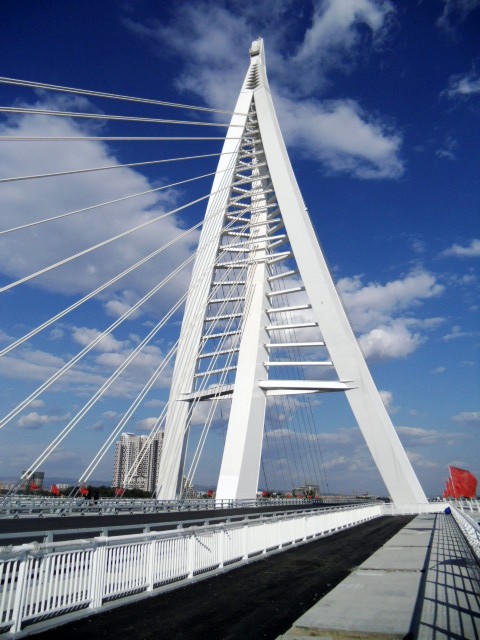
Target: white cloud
{"type": "Point", "coordinates": [341, 136]}
{"type": "Point", "coordinates": [456, 333]}
{"type": "Point", "coordinates": [468, 418]}
{"type": "Point", "coordinates": [27, 364]}
{"type": "Point", "coordinates": [471, 250]}
{"type": "Point", "coordinates": [390, 341]}
{"type": "Point", "coordinates": [155, 403]}
{"type": "Point", "coordinates": [339, 133]}
{"type": "Point", "coordinates": [416, 436]}
{"type": "Point", "coordinates": [440, 369]}
{"type": "Point", "coordinates": [387, 399]}
{"type": "Point", "coordinates": [56, 333]}
{"type": "Point", "coordinates": [421, 461]}
{"type": "Point", "coordinates": [464, 85]}
{"type": "Point", "coordinates": [447, 151]}
{"type": "Point", "coordinates": [374, 302]}
{"type": "Point", "coordinates": [29, 250]}
{"type": "Point", "coordinates": [110, 415]}
{"type": "Point", "coordinates": [455, 12]}
{"type": "Point", "coordinates": [335, 33]}
{"type": "Point", "coordinates": [337, 461]}
{"type": "Point", "coordinates": [37, 404]}
{"type": "Point", "coordinates": [377, 313]}
{"type": "Point", "coordinates": [34, 420]}
{"type": "Point", "coordinates": [84, 336]}
{"type": "Point", "coordinates": [146, 424]}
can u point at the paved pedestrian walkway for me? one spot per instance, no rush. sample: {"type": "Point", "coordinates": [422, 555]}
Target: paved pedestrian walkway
{"type": "Point", "coordinates": [423, 583]}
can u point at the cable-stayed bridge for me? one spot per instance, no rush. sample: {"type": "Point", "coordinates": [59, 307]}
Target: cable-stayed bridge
{"type": "Point", "coordinates": [263, 331]}
{"type": "Point", "coordinates": [263, 328]}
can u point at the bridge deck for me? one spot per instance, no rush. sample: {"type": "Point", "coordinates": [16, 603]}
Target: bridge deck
{"type": "Point", "coordinates": [257, 601]}
{"type": "Point", "coordinates": [424, 581]}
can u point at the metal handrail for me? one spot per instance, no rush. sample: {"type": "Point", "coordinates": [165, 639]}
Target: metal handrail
{"type": "Point", "coordinates": [105, 531]}
{"type": "Point", "coordinates": [82, 577]}
{"type": "Point", "coordinates": [53, 506]}
{"type": "Point", "coordinates": [469, 528]}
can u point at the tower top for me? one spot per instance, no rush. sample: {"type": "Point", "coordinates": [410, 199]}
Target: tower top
{"type": "Point", "coordinates": [256, 48]}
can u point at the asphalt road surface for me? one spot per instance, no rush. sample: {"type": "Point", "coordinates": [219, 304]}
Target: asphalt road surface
{"type": "Point", "coordinates": [76, 525]}
{"type": "Point", "coordinates": [257, 601]}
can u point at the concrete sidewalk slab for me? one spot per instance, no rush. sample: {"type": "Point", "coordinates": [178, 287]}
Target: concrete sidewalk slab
{"type": "Point", "coordinates": [397, 558]}
{"type": "Point", "coordinates": [365, 604]}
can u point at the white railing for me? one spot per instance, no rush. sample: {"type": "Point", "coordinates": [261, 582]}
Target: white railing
{"type": "Point", "coordinates": [391, 509]}
{"type": "Point", "coordinates": [39, 581]}
{"type": "Point", "coordinates": [27, 506]}
{"type": "Point", "coordinates": [469, 528]}
{"type": "Point", "coordinates": [468, 504]}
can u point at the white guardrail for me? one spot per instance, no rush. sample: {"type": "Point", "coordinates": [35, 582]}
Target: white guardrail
{"type": "Point", "coordinates": [41, 581]}
{"type": "Point", "coordinates": [469, 528]}
{"type": "Point", "coordinates": [28, 506]}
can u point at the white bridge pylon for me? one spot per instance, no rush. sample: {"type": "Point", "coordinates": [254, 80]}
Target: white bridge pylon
{"type": "Point", "coordinates": [261, 288]}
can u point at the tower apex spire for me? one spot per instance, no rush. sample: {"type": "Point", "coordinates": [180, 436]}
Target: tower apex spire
{"type": "Point", "coordinates": [256, 47]}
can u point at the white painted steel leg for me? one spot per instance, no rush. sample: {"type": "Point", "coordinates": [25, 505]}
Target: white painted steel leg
{"type": "Point", "coordinates": [171, 460]}
{"type": "Point", "coordinates": [243, 445]}
{"type": "Point", "coordinates": [365, 401]}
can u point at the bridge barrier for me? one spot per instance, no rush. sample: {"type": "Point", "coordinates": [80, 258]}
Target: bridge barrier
{"type": "Point", "coordinates": [60, 580]}
{"type": "Point", "coordinates": [469, 528]}
{"type": "Point", "coordinates": [391, 509]}
{"type": "Point", "coordinates": [63, 534]}
{"type": "Point", "coordinates": [48, 506]}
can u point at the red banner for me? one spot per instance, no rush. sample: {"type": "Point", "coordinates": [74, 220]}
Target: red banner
{"type": "Point", "coordinates": [119, 491]}
{"type": "Point", "coordinates": [464, 483]}
{"type": "Point", "coordinates": [83, 491]}
{"type": "Point", "coordinates": [55, 490]}
{"type": "Point", "coordinates": [449, 490]}
{"type": "Point", "coordinates": [34, 487]}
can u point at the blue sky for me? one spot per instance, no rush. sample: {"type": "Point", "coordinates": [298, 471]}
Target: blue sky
{"type": "Point", "coordinates": [379, 103]}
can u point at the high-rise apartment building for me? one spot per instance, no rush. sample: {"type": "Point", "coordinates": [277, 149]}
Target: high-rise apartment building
{"type": "Point", "coordinates": [127, 450]}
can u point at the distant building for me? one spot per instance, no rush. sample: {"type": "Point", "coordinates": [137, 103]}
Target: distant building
{"type": "Point", "coordinates": [6, 486]}
{"type": "Point", "coordinates": [308, 490]}
{"type": "Point", "coordinates": [188, 492]}
{"type": "Point", "coordinates": [34, 481]}
{"type": "Point", "coordinates": [127, 450]}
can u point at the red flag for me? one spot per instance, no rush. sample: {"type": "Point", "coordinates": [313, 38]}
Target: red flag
{"type": "Point", "coordinates": [210, 493]}
{"type": "Point", "coordinates": [119, 491]}
{"type": "Point", "coordinates": [449, 489]}
{"type": "Point", "coordinates": [264, 494]}
{"type": "Point", "coordinates": [55, 490]}
{"type": "Point", "coordinates": [34, 487]}
{"type": "Point", "coordinates": [83, 491]}
{"type": "Point", "coordinates": [464, 483]}
{"type": "Point", "coordinates": [445, 491]}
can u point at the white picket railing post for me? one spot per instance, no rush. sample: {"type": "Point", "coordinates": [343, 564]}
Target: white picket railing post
{"type": "Point", "coordinates": [97, 575]}
{"type": "Point", "coordinates": [245, 541]}
{"type": "Point", "coordinates": [221, 547]}
{"type": "Point", "coordinates": [151, 565]}
{"type": "Point", "coordinates": [191, 555]}
{"type": "Point", "coordinates": [20, 594]}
